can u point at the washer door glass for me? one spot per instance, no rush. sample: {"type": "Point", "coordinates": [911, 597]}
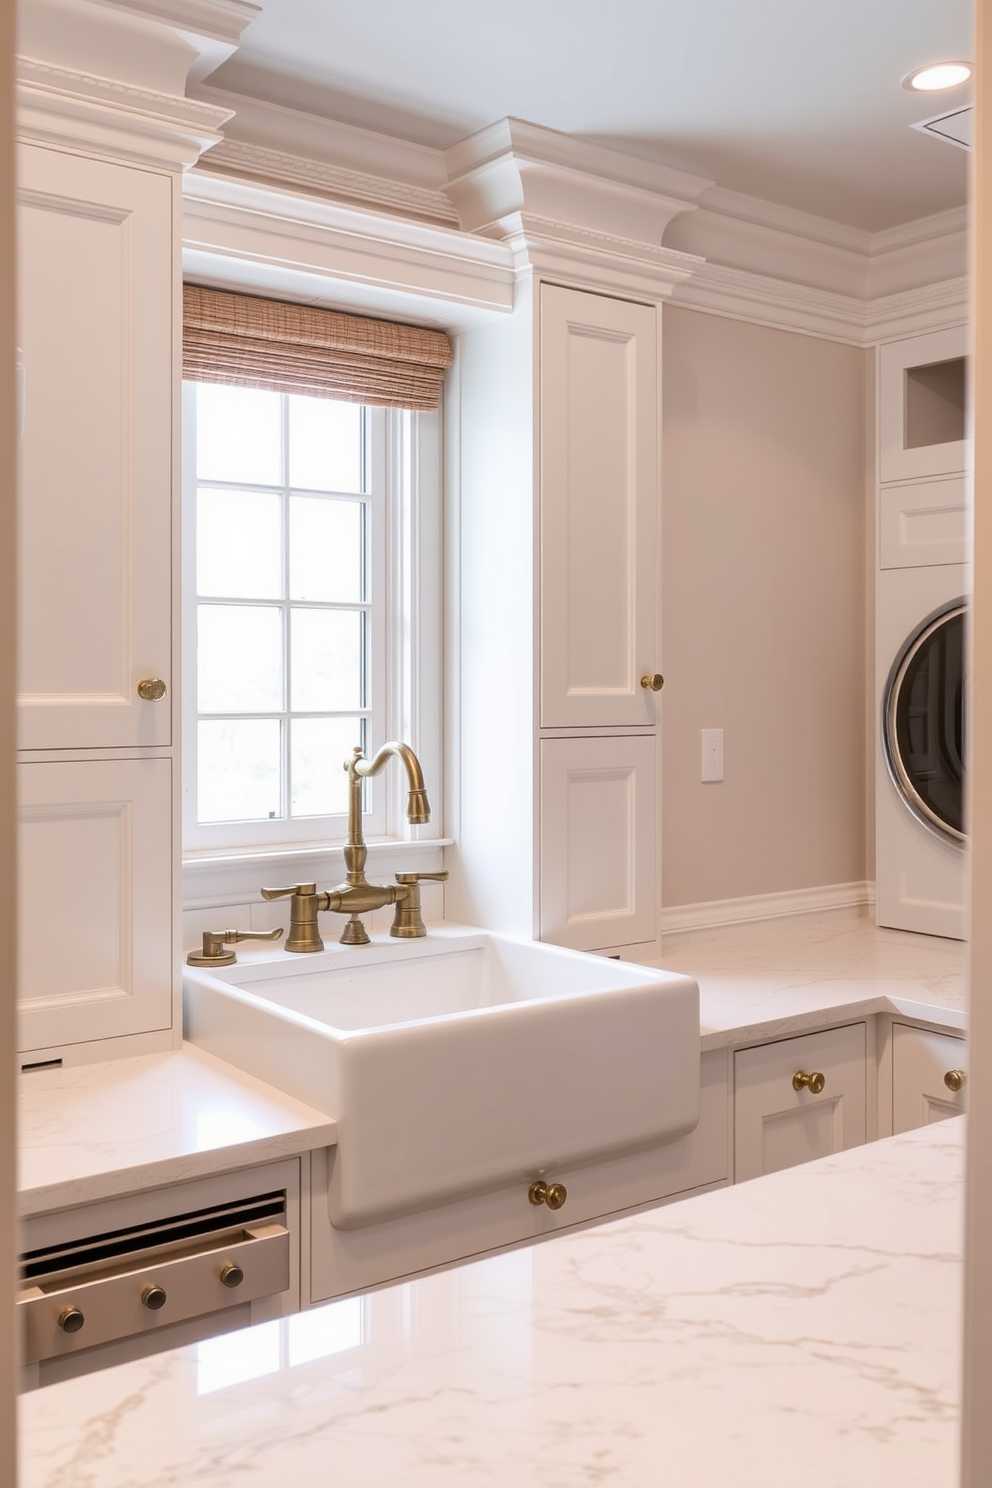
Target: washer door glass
{"type": "Point", "coordinates": [924, 722]}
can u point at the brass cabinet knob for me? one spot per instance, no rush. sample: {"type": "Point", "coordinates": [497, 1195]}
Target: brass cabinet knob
{"type": "Point", "coordinates": [71, 1320]}
{"type": "Point", "coordinates": [653, 680]}
{"type": "Point", "coordinates": [552, 1194]}
{"type": "Point", "coordinates": [955, 1080]}
{"type": "Point", "coordinates": [151, 689]}
{"type": "Point", "coordinates": [153, 1297]}
{"type": "Point", "coordinates": [232, 1275]}
{"type": "Point", "coordinates": [814, 1082]}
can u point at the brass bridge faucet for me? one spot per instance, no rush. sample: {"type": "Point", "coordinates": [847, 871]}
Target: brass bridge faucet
{"type": "Point", "coordinates": [356, 896]}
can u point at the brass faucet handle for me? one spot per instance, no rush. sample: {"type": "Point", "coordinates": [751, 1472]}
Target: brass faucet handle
{"type": "Point", "coordinates": [214, 941]}
{"type": "Point", "coordinates": [303, 888]}
{"type": "Point", "coordinates": [412, 878]}
{"type": "Point", "coordinates": [408, 921]}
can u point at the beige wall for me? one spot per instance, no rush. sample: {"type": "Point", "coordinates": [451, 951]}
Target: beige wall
{"type": "Point", "coordinates": [764, 608]}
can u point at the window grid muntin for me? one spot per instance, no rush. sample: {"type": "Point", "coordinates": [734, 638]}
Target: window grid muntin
{"type": "Point", "coordinates": [285, 605]}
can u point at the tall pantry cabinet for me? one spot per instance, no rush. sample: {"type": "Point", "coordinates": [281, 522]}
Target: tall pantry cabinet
{"type": "Point", "coordinates": [99, 171]}
{"type": "Point", "coordinates": [95, 662]}
{"type": "Point", "coordinates": [557, 799]}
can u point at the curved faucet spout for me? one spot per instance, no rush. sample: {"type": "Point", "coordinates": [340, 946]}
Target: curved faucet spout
{"type": "Point", "coordinates": [359, 768]}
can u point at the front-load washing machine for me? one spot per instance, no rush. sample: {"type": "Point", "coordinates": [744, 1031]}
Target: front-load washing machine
{"type": "Point", "coordinates": [921, 844]}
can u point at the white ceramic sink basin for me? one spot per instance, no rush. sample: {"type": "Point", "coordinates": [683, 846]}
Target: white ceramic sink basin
{"type": "Point", "coordinates": [459, 1063]}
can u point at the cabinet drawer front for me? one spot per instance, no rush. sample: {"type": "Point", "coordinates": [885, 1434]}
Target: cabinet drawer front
{"type": "Point", "coordinates": [776, 1125]}
{"type": "Point", "coordinates": [920, 1062]}
{"type": "Point", "coordinates": [95, 506]}
{"type": "Point", "coordinates": [599, 841]}
{"type": "Point", "coordinates": [599, 500]}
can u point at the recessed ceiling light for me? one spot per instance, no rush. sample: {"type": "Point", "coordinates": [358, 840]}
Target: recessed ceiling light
{"type": "Point", "coordinates": [937, 75]}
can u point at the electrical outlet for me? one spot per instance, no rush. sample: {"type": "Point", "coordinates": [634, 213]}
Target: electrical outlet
{"type": "Point", "coordinates": [712, 755]}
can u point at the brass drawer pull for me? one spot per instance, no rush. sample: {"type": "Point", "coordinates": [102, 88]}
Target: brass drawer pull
{"type": "Point", "coordinates": [652, 681]}
{"type": "Point", "coordinates": [232, 1276]}
{"type": "Point", "coordinates": [955, 1080]}
{"type": "Point", "coordinates": [552, 1194]}
{"type": "Point", "coordinates": [151, 689]}
{"type": "Point", "coordinates": [153, 1298]}
{"type": "Point", "coordinates": [71, 1320]}
{"type": "Point", "coordinates": [814, 1082]}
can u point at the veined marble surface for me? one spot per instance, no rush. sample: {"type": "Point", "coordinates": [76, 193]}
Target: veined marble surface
{"type": "Point", "coordinates": [784, 977]}
{"type": "Point", "coordinates": [802, 1328]}
{"type": "Point", "coordinates": [96, 1130]}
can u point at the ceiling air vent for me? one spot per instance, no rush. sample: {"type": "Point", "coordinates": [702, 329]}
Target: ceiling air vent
{"type": "Point", "coordinates": [955, 127]}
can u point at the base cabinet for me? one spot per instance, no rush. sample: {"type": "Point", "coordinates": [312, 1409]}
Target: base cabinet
{"type": "Point", "coordinates": [929, 1076]}
{"type": "Point", "coordinates": [345, 1261]}
{"type": "Point", "coordinates": [784, 1115]}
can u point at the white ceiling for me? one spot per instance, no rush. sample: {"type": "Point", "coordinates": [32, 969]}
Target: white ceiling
{"type": "Point", "coordinates": [790, 100]}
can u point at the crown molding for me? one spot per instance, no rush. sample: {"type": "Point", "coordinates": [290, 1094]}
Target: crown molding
{"type": "Point", "coordinates": [929, 308]}
{"type": "Point", "coordinates": [60, 106]}
{"type": "Point", "coordinates": [240, 234]}
{"type": "Point", "coordinates": [278, 145]}
{"type": "Point", "coordinates": [111, 75]}
{"type": "Point", "coordinates": [321, 178]}
{"type": "Point", "coordinates": [603, 263]}
{"type": "Point", "coordinates": [513, 169]}
{"type": "Point", "coordinates": [788, 306]}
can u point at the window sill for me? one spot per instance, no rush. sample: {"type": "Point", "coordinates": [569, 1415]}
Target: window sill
{"type": "Point", "coordinates": [230, 878]}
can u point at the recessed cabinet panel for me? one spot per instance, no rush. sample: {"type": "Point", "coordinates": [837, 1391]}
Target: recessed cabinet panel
{"type": "Point", "coordinates": [599, 494]}
{"type": "Point", "coordinates": [927, 1071]}
{"type": "Point", "coordinates": [95, 943]}
{"type": "Point", "coordinates": [598, 841]}
{"type": "Point", "coordinates": [924, 525]}
{"type": "Point", "coordinates": [923, 411]}
{"type": "Point", "coordinates": [95, 327]}
{"type": "Point", "coordinates": [776, 1124]}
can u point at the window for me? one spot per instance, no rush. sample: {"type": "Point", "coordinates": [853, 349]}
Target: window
{"type": "Point", "coordinates": [299, 577]}
{"type": "Point", "coordinates": [310, 567]}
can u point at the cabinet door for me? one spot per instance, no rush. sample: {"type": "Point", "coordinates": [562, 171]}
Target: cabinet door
{"type": "Point", "coordinates": [599, 509]}
{"type": "Point", "coordinates": [922, 406]}
{"type": "Point", "coordinates": [921, 1063]}
{"type": "Point", "coordinates": [599, 879]}
{"type": "Point", "coordinates": [777, 1126]}
{"type": "Point", "coordinates": [95, 327]}
{"type": "Point", "coordinates": [95, 923]}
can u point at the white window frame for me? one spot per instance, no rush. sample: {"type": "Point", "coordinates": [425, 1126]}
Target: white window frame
{"type": "Point", "coordinates": [404, 644]}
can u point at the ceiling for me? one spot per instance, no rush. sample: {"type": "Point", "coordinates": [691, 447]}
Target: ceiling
{"type": "Point", "coordinates": [795, 102]}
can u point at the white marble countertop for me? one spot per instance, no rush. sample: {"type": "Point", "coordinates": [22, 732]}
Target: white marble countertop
{"type": "Point", "coordinates": [93, 1131]}
{"type": "Point", "coordinates": [779, 978]}
{"type": "Point", "coordinates": [802, 1328]}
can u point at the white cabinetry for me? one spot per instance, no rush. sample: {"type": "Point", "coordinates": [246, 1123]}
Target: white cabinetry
{"type": "Point", "coordinates": [96, 307]}
{"type": "Point", "coordinates": [599, 811]}
{"type": "Point", "coordinates": [922, 406]}
{"type": "Point", "coordinates": [929, 1076]}
{"type": "Point", "coordinates": [776, 1124]}
{"type": "Point", "coordinates": [599, 509]}
{"type": "Point", "coordinates": [95, 325]}
{"type": "Point", "coordinates": [599, 796]}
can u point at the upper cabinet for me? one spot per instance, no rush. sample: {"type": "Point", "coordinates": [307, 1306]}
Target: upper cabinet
{"type": "Point", "coordinates": [599, 416]}
{"type": "Point", "coordinates": [922, 415]}
{"type": "Point", "coordinates": [95, 330]}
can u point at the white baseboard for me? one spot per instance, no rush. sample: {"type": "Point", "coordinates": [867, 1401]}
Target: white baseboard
{"type": "Point", "coordinates": [793, 904]}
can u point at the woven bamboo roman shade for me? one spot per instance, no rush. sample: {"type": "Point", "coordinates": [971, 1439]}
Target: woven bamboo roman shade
{"type": "Point", "coordinates": [301, 349]}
